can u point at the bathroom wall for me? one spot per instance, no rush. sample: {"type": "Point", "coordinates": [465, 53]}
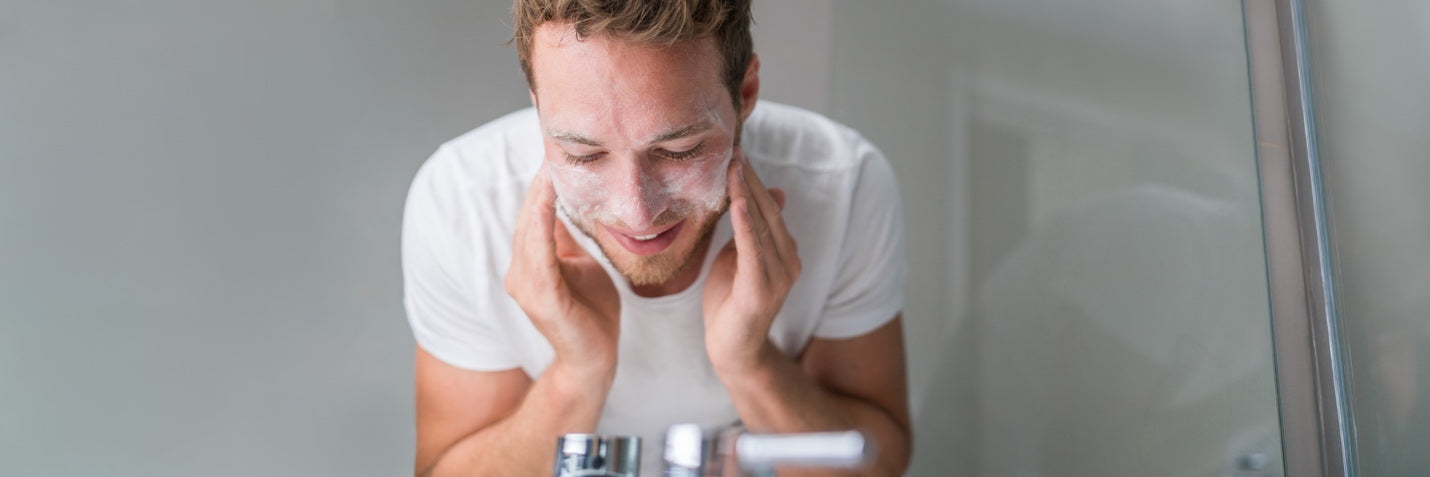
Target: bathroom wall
{"type": "Point", "coordinates": [199, 219]}
{"type": "Point", "coordinates": [1091, 296]}
{"type": "Point", "coordinates": [200, 205]}
{"type": "Point", "coordinates": [199, 215]}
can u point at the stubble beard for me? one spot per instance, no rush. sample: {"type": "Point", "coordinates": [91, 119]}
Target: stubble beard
{"type": "Point", "coordinates": [666, 265]}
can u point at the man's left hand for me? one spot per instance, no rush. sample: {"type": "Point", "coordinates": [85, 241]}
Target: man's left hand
{"type": "Point", "coordinates": [749, 280]}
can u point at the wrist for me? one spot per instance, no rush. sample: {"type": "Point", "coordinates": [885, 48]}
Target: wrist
{"type": "Point", "coordinates": [586, 375]}
{"type": "Point", "coordinates": [745, 363]}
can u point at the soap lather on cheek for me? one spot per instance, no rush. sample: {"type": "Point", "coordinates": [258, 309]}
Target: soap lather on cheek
{"type": "Point", "coordinates": [701, 187]}
{"type": "Point", "coordinates": [578, 190]}
{"type": "Point", "coordinates": [682, 190]}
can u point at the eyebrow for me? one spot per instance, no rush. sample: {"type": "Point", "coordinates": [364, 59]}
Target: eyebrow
{"type": "Point", "coordinates": [681, 132]}
{"type": "Point", "coordinates": [684, 131]}
{"type": "Point", "coordinates": [568, 136]}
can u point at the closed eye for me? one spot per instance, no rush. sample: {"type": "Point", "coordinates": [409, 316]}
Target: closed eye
{"type": "Point", "coordinates": [682, 155]}
{"type": "Point", "coordinates": [586, 159]}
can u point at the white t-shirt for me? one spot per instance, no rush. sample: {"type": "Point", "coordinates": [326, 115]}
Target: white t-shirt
{"type": "Point", "coordinates": [842, 208]}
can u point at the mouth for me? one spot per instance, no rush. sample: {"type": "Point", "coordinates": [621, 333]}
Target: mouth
{"type": "Point", "coordinates": [648, 242]}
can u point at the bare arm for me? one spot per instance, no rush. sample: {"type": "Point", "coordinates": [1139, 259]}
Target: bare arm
{"type": "Point", "coordinates": [856, 383]}
{"type": "Point", "coordinates": [499, 423]}
{"type": "Point", "coordinates": [503, 423]}
{"type": "Point", "coordinates": [837, 384]}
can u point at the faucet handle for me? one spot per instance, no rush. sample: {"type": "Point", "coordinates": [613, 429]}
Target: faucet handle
{"type": "Point", "coordinates": [582, 455]}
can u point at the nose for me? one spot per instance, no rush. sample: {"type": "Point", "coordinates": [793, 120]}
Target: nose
{"type": "Point", "coordinates": [639, 196]}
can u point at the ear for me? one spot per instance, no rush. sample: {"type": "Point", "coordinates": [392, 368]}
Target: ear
{"type": "Point", "coordinates": [533, 96]}
{"type": "Point", "coordinates": [750, 87]}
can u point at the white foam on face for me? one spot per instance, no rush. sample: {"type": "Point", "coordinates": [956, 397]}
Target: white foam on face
{"type": "Point", "coordinates": [631, 190]}
{"type": "Point", "coordinates": [633, 196]}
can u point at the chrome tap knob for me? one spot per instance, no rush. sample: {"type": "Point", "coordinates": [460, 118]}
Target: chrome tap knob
{"type": "Point", "coordinates": [590, 455]}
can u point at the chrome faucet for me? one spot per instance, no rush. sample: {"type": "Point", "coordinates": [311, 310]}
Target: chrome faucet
{"type": "Point", "coordinates": [590, 455]}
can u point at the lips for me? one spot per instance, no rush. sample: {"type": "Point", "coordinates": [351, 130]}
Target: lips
{"type": "Point", "coordinates": [647, 242]}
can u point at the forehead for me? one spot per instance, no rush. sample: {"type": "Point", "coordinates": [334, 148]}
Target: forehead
{"type": "Point", "coordinates": [605, 76]}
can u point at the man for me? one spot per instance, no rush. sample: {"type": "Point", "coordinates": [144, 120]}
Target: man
{"type": "Point", "coordinates": [692, 292]}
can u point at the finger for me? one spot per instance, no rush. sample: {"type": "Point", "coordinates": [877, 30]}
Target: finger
{"type": "Point", "coordinates": [755, 213]}
{"type": "Point", "coordinates": [771, 208]}
{"type": "Point", "coordinates": [782, 236]}
{"type": "Point", "coordinates": [788, 247]}
{"type": "Point", "coordinates": [747, 259]}
{"type": "Point", "coordinates": [767, 252]}
{"type": "Point", "coordinates": [779, 196]}
{"type": "Point", "coordinates": [540, 183]}
{"type": "Point", "coordinates": [540, 241]}
{"type": "Point", "coordinates": [767, 220]}
{"type": "Point", "coordinates": [733, 179]}
{"type": "Point", "coordinates": [750, 259]}
{"type": "Point", "coordinates": [760, 194]}
{"type": "Point", "coordinates": [566, 244]}
{"type": "Point", "coordinates": [525, 219]}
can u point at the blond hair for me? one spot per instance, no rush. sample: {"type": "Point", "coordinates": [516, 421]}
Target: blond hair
{"type": "Point", "coordinates": [660, 22]}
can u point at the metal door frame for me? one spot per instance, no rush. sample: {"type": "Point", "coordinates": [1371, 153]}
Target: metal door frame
{"type": "Point", "coordinates": [1315, 413]}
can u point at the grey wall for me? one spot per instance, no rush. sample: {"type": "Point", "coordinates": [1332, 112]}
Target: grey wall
{"type": "Point", "coordinates": [199, 215]}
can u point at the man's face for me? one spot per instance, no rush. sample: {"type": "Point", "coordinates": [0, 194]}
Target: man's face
{"type": "Point", "coordinates": [637, 140]}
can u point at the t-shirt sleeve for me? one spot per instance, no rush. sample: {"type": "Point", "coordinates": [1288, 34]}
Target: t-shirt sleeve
{"type": "Point", "coordinates": [869, 284]}
{"type": "Point", "coordinates": [444, 286]}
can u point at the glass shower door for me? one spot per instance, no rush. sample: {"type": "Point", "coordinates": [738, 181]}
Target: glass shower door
{"type": "Point", "coordinates": [1103, 282]}
{"type": "Point", "coordinates": [1371, 62]}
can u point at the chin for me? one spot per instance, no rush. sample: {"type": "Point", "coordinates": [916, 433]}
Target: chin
{"type": "Point", "coordinates": [683, 253]}
{"type": "Point", "coordinates": [645, 270]}
{"type": "Point", "coordinates": [653, 270]}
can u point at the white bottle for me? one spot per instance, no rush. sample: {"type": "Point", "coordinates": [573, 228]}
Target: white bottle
{"type": "Point", "coordinates": [691, 452]}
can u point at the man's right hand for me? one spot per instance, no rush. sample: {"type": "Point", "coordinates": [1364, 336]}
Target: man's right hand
{"type": "Point", "coordinates": [562, 288]}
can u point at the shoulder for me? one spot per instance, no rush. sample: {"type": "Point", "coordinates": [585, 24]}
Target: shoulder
{"type": "Point", "coordinates": [810, 155]}
{"type": "Point", "coordinates": [467, 194]}
{"type": "Point", "coordinates": [842, 207]}
{"type": "Point", "coordinates": [494, 159]}
{"type": "Point", "coordinates": [505, 149]}
{"type": "Point", "coordinates": [786, 136]}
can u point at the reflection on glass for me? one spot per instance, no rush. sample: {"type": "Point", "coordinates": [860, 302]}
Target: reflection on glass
{"type": "Point", "coordinates": [1371, 67]}
{"type": "Point", "coordinates": [1098, 211]}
